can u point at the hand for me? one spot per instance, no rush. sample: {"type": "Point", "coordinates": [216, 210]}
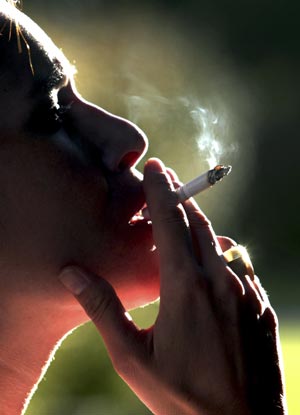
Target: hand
{"type": "Point", "coordinates": [209, 350]}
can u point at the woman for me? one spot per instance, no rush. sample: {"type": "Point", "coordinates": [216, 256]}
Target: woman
{"type": "Point", "coordinates": [69, 190]}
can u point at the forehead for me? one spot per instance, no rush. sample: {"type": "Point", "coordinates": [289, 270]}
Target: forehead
{"type": "Point", "coordinates": [39, 62]}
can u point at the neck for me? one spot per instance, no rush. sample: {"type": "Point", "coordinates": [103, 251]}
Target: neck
{"type": "Point", "coordinates": [31, 329]}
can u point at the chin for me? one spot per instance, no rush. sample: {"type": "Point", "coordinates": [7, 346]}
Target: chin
{"type": "Point", "coordinates": [135, 276]}
{"type": "Point", "coordinates": [137, 281]}
{"type": "Point", "coordinates": [138, 296]}
{"type": "Point", "coordinates": [144, 289]}
{"type": "Point", "coordinates": [124, 256]}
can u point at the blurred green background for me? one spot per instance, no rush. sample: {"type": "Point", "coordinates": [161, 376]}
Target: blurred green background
{"type": "Point", "coordinates": [208, 81]}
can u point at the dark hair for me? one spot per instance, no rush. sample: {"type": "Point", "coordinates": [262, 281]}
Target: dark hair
{"type": "Point", "coordinates": [11, 35]}
{"type": "Point", "coordinates": [5, 23]}
{"type": "Point", "coordinates": [8, 29]}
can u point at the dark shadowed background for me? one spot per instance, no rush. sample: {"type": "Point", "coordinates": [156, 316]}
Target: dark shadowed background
{"type": "Point", "coordinates": [208, 81]}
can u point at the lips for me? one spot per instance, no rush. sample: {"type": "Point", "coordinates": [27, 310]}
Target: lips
{"type": "Point", "coordinates": [138, 218]}
{"type": "Point", "coordinates": [134, 207]}
{"type": "Point", "coordinates": [126, 190]}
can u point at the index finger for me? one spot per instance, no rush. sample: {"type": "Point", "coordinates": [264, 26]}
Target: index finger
{"type": "Point", "coordinates": [170, 231]}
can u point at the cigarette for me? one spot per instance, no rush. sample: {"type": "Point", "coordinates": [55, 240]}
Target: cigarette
{"type": "Point", "coordinates": [197, 185]}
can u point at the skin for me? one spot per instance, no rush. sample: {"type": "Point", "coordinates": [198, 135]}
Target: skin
{"type": "Point", "coordinates": [224, 361]}
{"type": "Point", "coordinates": [68, 191]}
{"type": "Point", "coordinates": [83, 167]}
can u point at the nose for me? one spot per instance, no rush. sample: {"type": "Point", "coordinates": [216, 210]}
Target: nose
{"type": "Point", "coordinates": [120, 142]}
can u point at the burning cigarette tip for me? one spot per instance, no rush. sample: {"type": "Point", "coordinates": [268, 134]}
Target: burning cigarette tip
{"type": "Point", "coordinates": [217, 173]}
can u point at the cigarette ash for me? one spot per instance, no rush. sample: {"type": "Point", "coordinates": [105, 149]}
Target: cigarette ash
{"type": "Point", "coordinates": [218, 173]}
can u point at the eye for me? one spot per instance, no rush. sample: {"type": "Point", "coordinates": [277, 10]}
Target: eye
{"type": "Point", "coordinates": [61, 112]}
{"type": "Point", "coordinates": [48, 118]}
{"type": "Point", "coordinates": [57, 116]}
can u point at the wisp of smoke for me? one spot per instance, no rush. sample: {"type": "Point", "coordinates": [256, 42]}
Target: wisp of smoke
{"type": "Point", "coordinates": [209, 128]}
{"type": "Point", "coordinates": [208, 141]}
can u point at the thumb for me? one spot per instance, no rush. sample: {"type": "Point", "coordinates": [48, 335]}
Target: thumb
{"type": "Point", "coordinates": [102, 305]}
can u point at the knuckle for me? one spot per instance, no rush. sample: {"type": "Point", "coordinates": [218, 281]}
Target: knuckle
{"type": "Point", "coordinates": [97, 304]}
{"type": "Point", "coordinates": [235, 284]}
{"type": "Point", "coordinates": [159, 182]}
{"type": "Point", "coordinates": [183, 268]}
{"type": "Point", "coordinates": [193, 285]}
{"type": "Point", "coordinates": [162, 187]}
{"type": "Point", "coordinates": [131, 359]}
{"type": "Point", "coordinates": [260, 289]}
{"type": "Point", "coordinates": [252, 302]}
{"type": "Point", "coordinates": [199, 284]}
{"type": "Point", "coordinates": [229, 286]}
{"type": "Point", "coordinates": [199, 221]}
{"type": "Point", "coordinates": [170, 215]}
{"type": "Point", "coordinates": [270, 318]}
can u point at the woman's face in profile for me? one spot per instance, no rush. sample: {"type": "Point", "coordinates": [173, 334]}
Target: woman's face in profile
{"type": "Point", "coordinates": [68, 183]}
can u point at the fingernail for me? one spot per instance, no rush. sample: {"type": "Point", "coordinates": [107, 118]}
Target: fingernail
{"type": "Point", "coordinates": [74, 280]}
{"type": "Point", "coordinates": [155, 164]}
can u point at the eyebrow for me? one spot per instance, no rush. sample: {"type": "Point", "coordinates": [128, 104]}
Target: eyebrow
{"type": "Point", "coordinates": [54, 80]}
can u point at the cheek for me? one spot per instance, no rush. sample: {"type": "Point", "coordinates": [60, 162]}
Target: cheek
{"type": "Point", "coordinates": [73, 213]}
{"type": "Point", "coordinates": [52, 206]}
